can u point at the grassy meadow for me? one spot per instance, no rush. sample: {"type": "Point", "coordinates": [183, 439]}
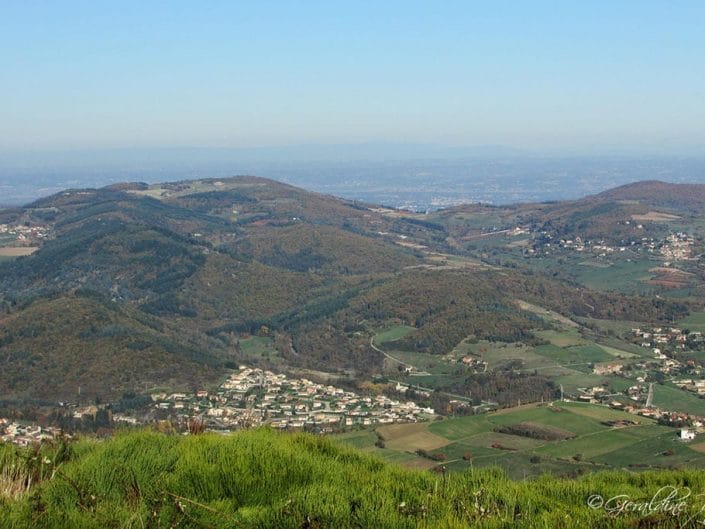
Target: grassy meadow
{"type": "Point", "coordinates": [263, 479]}
{"type": "Point", "coordinates": [618, 275]}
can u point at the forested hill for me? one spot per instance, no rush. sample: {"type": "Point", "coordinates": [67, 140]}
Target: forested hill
{"type": "Point", "coordinates": [135, 286]}
{"type": "Point", "coordinates": [683, 197]}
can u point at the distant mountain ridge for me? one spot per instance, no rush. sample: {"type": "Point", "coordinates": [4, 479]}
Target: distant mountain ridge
{"type": "Point", "coordinates": [662, 194]}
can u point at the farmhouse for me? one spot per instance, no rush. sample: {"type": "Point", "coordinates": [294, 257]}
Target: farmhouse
{"type": "Point", "coordinates": [608, 368]}
{"type": "Point", "coordinates": [686, 434]}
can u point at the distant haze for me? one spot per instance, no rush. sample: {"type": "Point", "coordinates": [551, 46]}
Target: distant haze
{"type": "Point", "coordinates": [410, 103]}
{"type": "Point", "coordinates": [416, 176]}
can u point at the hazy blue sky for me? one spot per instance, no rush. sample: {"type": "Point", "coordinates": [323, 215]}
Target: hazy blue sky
{"type": "Point", "coordinates": [577, 75]}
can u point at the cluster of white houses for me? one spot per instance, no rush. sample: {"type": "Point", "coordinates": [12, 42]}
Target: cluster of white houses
{"type": "Point", "coordinates": [251, 397]}
{"type": "Point", "coordinates": [24, 234]}
{"type": "Point", "coordinates": [676, 246]}
{"type": "Point", "coordinates": [25, 434]}
{"type": "Point", "coordinates": [664, 343]}
{"type": "Point", "coordinates": [660, 337]}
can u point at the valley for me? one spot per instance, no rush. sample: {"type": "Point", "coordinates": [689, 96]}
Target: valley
{"type": "Point", "coordinates": [133, 291]}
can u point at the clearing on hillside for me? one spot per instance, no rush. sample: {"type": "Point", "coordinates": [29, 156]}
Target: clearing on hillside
{"type": "Point", "coordinates": [540, 311]}
{"type": "Point", "coordinates": [654, 216]}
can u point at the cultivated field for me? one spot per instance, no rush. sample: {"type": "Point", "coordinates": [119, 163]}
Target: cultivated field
{"type": "Point", "coordinates": [638, 443]}
{"type": "Point", "coordinates": [17, 251]}
{"type": "Point", "coordinates": [619, 276]}
{"type": "Point", "coordinates": [410, 437]}
{"type": "Point", "coordinates": [695, 321]}
{"type": "Point", "coordinates": [654, 216]}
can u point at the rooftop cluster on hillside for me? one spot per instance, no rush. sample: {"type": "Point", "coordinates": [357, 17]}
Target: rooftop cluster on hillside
{"type": "Point", "coordinates": [252, 397]}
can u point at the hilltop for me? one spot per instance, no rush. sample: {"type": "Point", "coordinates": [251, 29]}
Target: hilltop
{"type": "Point", "coordinates": [679, 197]}
{"type": "Point", "coordinates": [596, 216]}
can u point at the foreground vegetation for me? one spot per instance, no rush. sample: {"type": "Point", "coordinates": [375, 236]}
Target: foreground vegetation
{"type": "Point", "coordinates": [263, 479]}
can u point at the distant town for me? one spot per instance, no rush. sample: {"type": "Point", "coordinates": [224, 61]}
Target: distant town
{"type": "Point", "coordinates": [676, 246]}
{"type": "Point", "coordinates": [248, 398]}
{"type": "Point", "coordinates": [253, 397]}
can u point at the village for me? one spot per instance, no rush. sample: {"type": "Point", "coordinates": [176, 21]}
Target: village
{"type": "Point", "coordinates": [676, 246]}
{"type": "Point", "coordinates": [253, 397]}
{"type": "Point", "coordinates": [26, 434]}
{"type": "Point", "coordinates": [664, 345]}
{"type": "Point", "coordinates": [668, 347]}
{"type": "Point", "coordinates": [248, 398]}
{"type": "Point", "coordinates": [23, 235]}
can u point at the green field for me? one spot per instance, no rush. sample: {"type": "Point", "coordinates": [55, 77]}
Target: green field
{"type": "Point", "coordinates": [498, 353]}
{"type": "Point", "coordinates": [603, 442]}
{"type": "Point", "coordinates": [259, 347]}
{"type": "Point", "coordinates": [651, 452]}
{"type": "Point", "coordinates": [392, 334]}
{"type": "Point", "coordinates": [695, 322]}
{"type": "Point", "coordinates": [675, 399]}
{"type": "Point", "coordinates": [573, 337]}
{"type": "Point", "coordinates": [617, 353]}
{"type": "Point", "coordinates": [571, 383]}
{"type": "Point", "coordinates": [618, 327]}
{"type": "Point", "coordinates": [399, 457]}
{"type": "Point", "coordinates": [261, 478]}
{"type": "Point", "coordinates": [578, 357]}
{"type": "Point", "coordinates": [621, 345]}
{"type": "Point", "coordinates": [563, 338]}
{"type": "Point", "coordinates": [424, 362]}
{"type": "Point", "coordinates": [618, 275]}
{"type": "Point", "coordinates": [596, 445]}
{"type": "Point", "coordinates": [361, 439]}
{"type": "Point", "coordinates": [570, 363]}
{"type": "Point", "coordinates": [575, 380]}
